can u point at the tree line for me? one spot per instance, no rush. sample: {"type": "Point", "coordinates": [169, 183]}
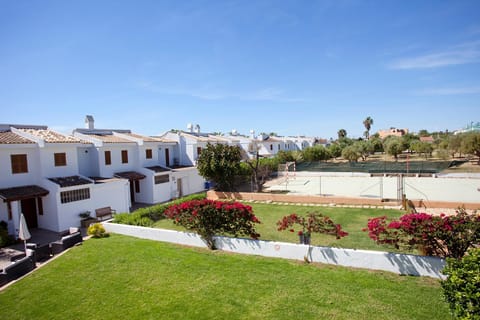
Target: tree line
{"type": "Point", "coordinates": [224, 164]}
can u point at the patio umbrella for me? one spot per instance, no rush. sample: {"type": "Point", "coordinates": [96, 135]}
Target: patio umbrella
{"type": "Point", "coordinates": [23, 232]}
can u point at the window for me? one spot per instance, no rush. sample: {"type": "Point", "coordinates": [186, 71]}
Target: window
{"type": "Point", "coordinates": [74, 195]}
{"type": "Point", "coordinates": [124, 156]}
{"type": "Point", "coordinates": [108, 158]}
{"type": "Point", "coordinates": [162, 179]}
{"type": "Point", "coordinates": [60, 159]}
{"type": "Point", "coordinates": [148, 154]}
{"type": "Point", "coordinates": [137, 186]}
{"type": "Point", "coordinates": [278, 147]}
{"type": "Point", "coordinates": [199, 151]}
{"type": "Point", "coordinates": [271, 147]}
{"type": "Point", "coordinates": [19, 163]}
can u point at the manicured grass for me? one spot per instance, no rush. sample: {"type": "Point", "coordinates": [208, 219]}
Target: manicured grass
{"type": "Point", "coordinates": [352, 220]}
{"type": "Point", "coordinates": [127, 278]}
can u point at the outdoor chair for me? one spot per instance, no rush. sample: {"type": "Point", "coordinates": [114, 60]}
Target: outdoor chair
{"type": "Point", "coordinates": [66, 242]}
{"type": "Point", "coordinates": [17, 269]}
{"type": "Point", "coordinates": [40, 252]}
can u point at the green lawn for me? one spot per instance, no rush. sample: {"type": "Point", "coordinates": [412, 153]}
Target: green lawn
{"type": "Point", "coordinates": [127, 278]}
{"type": "Point", "coordinates": [353, 220]}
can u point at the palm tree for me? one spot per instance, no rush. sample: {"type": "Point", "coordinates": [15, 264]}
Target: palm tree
{"type": "Point", "coordinates": [368, 124]}
{"type": "Point", "coordinates": [342, 133]}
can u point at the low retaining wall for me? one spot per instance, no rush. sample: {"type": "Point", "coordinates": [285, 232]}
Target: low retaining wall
{"type": "Point", "coordinates": [315, 199]}
{"type": "Point", "coordinates": [375, 260]}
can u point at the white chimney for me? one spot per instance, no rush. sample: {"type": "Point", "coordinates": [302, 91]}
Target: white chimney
{"type": "Point", "coordinates": [234, 132]}
{"type": "Point", "coordinates": [89, 122]}
{"type": "Point", "coordinates": [252, 134]}
{"type": "Point", "coordinates": [197, 128]}
{"type": "Point", "coordinates": [190, 127]}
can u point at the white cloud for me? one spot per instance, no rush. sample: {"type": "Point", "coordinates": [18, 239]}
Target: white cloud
{"type": "Point", "coordinates": [460, 54]}
{"type": "Point", "coordinates": [209, 92]}
{"type": "Point", "coordinates": [449, 91]}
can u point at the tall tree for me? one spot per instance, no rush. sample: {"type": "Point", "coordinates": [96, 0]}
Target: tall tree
{"type": "Point", "coordinates": [471, 144]}
{"type": "Point", "coordinates": [393, 146]}
{"type": "Point", "coordinates": [350, 153]}
{"type": "Point", "coordinates": [220, 163]}
{"type": "Point", "coordinates": [368, 124]}
{"type": "Point", "coordinates": [342, 133]}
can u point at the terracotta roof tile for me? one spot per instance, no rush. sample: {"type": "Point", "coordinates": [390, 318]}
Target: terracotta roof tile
{"type": "Point", "coordinates": [51, 136]}
{"type": "Point", "coordinates": [144, 138]}
{"type": "Point", "coordinates": [108, 138]}
{"type": "Point", "coordinates": [9, 137]}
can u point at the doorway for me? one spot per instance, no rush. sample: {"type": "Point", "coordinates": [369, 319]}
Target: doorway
{"type": "Point", "coordinates": [167, 157]}
{"type": "Point", "coordinates": [29, 210]}
{"type": "Point", "coordinates": [179, 188]}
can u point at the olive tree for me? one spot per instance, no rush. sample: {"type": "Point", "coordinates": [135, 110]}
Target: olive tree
{"type": "Point", "coordinates": [471, 144]}
{"type": "Point", "coordinates": [393, 146]}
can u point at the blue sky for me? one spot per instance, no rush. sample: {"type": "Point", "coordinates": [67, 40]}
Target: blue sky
{"type": "Point", "coordinates": [291, 67]}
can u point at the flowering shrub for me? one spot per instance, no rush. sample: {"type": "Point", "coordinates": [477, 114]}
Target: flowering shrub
{"type": "Point", "coordinates": [208, 217]}
{"type": "Point", "coordinates": [312, 222]}
{"type": "Point", "coordinates": [96, 230]}
{"type": "Point", "coordinates": [444, 236]}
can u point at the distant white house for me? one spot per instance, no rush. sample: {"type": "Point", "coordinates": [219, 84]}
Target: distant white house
{"type": "Point", "coordinates": [150, 164]}
{"type": "Point", "coordinates": [39, 177]}
{"type": "Point", "coordinates": [191, 143]}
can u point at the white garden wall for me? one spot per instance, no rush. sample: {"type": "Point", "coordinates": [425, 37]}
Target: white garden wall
{"type": "Point", "coordinates": [361, 185]}
{"type": "Point", "coordinates": [375, 260]}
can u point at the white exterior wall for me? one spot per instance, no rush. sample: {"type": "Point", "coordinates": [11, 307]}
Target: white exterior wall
{"type": "Point", "coordinates": [375, 260]}
{"type": "Point", "coordinates": [162, 192]}
{"type": "Point", "coordinates": [143, 161]}
{"type": "Point", "coordinates": [59, 216]}
{"type": "Point", "coordinates": [47, 162]}
{"type": "Point", "coordinates": [51, 207]}
{"type": "Point", "coordinates": [173, 153]}
{"type": "Point", "coordinates": [108, 171]}
{"type": "Point", "coordinates": [192, 182]}
{"type": "Point", "coordinates": [88, 161]}
{"type": "Point", "coordinates": [362, 185]}
{"type": "Point", "coordinates": [7, 179]}
{"type": "Point", "coordinates": [114, 194]}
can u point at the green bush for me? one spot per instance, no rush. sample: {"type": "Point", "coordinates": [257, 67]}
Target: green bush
{"type": "Point", "coordinates": [461, 289]}
{"type": "Point", "coordinates": [146, 217]}
{"type": "Point", "coordinates": [97, 230]}
{"type": "Point", "coordinates": [5, 238]}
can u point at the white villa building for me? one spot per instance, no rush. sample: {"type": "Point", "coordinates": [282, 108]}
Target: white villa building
{"type": "Point", "coordinates": [52, 178]}
{"type": "Point", "coordinates": [40, 178]}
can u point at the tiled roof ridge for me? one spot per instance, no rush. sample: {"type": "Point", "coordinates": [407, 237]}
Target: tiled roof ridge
{"type": "Point", "coordinates": [48, 135]}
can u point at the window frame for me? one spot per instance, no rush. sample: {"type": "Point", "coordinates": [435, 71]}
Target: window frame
{"type": "Point", "coordinates": [74, 195]}
{"type": "Point", "coordinates": [19, 163]}
{"type": "Point", "coordinates": [108, 157]}
{"type": "Point", "coordinates": [124, 154]}
{"type": "Point", "coordinates": [148, 154]}
{"type": "Point", "coordinates": [60, 159]}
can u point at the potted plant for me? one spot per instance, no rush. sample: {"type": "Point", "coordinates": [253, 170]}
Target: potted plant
{"type": "Point", "coordinates": [313, 222]}
{"type": "Point", "coordinates": [86, 219]}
